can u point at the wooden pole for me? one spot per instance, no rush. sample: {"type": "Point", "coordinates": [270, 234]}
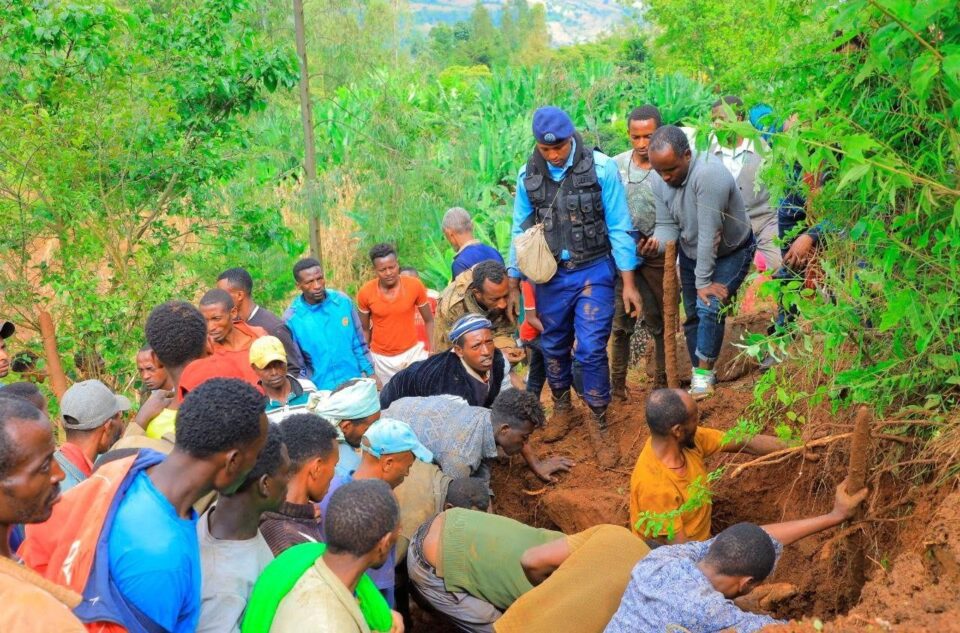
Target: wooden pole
{"type": "Point", "coordinates": [309, 146]}
{"type": "Point", "coordinates": [670, 316]}
{"type": "Point", "coordinates": [58, 379]}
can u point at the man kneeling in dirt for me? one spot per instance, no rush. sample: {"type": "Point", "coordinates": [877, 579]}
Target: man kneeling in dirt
{"type": "Point", "coordinates": [670, 468]}
{"type": "Point", "coordinates": [692, 585]}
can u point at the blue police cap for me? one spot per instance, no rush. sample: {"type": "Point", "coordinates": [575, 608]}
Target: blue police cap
{"type": "Point", "coordinates": [551, 125]}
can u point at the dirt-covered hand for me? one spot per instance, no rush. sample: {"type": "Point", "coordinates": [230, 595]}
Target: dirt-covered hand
{"type": "Point", "coordinates": [648, 247]}
{"type": "Point", "coordinates": [547, 468]}
{"type": "Point", "coordinates": [514, 354]}
{"type": "Point", "coordinates": [799, 252]}
{"type": "Point", "coordinates": [159, 400]}
{"type": "Point", "coordinates": [845, 504]}
{"type": "Point", "coordinates": [513, 301]}
{"type": "Point", "coordinates": [631, 300]}
{"type": "Point", "coordinates": [715, 289]}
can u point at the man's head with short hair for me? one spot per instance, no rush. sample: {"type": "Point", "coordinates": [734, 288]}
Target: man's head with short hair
{"type": "Point", "coordinates": [467, 492]}
{"type": "Point", "coordinates": [384, 260]}
{"type": "Point", "coordinates": [25, 391]}
{"type": "Point", "coordinates": [645, 112]}
{"type": "Point", "coordinates": [311, 281]}
{"type": "Point", "coordinates": [236, 279]}
{"type": "Point", "coordinates": [29, 475]}
{"type": "Point", "coordinates": [670, 155]}
{"type": "Point", "coordinates": [239, 284]}
{"type": "Point", "coordinates": [270, 474]}
{"type": "Point", "coordinates": [409, 271]}
{"type": "Point", "coordinates": [673, 414]}
{"type": "Point", "coordinates": [490, 286]}
{"type": "Point", "coordinates": [177, 334]}
{"type": "Point", "coordinates": [314, 452]}
{"type": "Point", "coordinates": [218, 309]}
{"type": "Point", "coordinates": [153, 375]}
{"type": "Point", "coordinates": [223, 422]}
{"type": "Point", "coordinates": [515, 414]}
{"type": "Point", "coordinates": [641, 124]}
{"type": "Point", "coordinates": [457, 223]}
{"type": "Point", "coordinates": [362, 521]}
{"type": "Point", "coordinates": [739, 558]}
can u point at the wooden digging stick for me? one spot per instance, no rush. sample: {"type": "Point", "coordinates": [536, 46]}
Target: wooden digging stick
{"type": "Point", "coordinates": [58, 380]}
{"type": "Point", "coordinates": [670, 301]}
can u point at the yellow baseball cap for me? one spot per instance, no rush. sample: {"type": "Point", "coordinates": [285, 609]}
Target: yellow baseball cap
{"type": "Point", "coordinates": [265, 350]}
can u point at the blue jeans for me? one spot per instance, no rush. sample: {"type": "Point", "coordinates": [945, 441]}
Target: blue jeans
{"type": "Point", "coordinates": [577, 305]}
{"type": "Point", "coordinates": [705, 321]}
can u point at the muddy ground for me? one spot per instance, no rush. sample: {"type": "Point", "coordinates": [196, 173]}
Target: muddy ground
{"type": "Point", "coordinates": [911, 541]}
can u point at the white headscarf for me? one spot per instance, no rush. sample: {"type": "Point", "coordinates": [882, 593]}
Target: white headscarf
{"type": "Point", "coordinates": [355, 402]}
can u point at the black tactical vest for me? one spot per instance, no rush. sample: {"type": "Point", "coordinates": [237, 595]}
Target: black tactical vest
{"type": "Point", "coordinates": [571, 210]}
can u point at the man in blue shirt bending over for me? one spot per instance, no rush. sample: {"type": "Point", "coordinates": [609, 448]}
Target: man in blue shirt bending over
{"type": "Point", "coordinates": [326, 327]}
{"type": "Point", "coordinates": [576, 194]}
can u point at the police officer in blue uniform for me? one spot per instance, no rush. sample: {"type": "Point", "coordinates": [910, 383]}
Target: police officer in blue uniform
{"type": "Point", "coordinates": [576, 194]}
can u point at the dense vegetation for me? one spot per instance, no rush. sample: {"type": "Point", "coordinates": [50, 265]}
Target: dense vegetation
{"type": "Point", "coordinates": [145, 145]}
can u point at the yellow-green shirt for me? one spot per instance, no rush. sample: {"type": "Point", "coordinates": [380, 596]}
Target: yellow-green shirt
{"type": "Point", "coordinates": [164, 423]}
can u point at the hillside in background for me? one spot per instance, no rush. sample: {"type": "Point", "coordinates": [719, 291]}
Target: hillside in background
{"type": "Point", "coordinates": [569, 21]}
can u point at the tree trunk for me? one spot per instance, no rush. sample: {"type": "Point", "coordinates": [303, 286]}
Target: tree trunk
{"type": "Point", "coordinates": [309, 191]}
{"type": "Point", "coordinates": [58, 380]}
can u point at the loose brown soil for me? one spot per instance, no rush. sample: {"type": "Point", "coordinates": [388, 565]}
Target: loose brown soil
{"type": "Point", "coordinates": [913, 564]}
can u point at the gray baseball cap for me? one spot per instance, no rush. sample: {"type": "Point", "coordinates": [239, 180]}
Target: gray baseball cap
{"type": "Point", "coordinates": [91, 403]}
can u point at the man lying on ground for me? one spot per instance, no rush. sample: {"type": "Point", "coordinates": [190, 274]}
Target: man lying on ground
{"type": "Point", "coordinates": [428, 491]}
{"type": "Point", "coordinates": [29, 487]}
{"type": "Point", "coordinates": [466, 565]}
{"type": "Point", "coordinates": [473, 369]}
{"type": "Point", "coordinates": [232, 552]}
{"type": "Point", "coordinates": [464, 439]}
{"type": "Point", "coordinates": [578, 582]}
{"type": "Point", "coordinates": [671, 466]}
{"type": "Point", "coordinates": [693, 585]}
{"type": "Point", "coordinates": [311, 444]}
{"type": "Point", "coordinates": [352, 407]}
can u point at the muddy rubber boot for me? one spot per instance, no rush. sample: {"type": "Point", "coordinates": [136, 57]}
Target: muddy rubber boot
{"type": "Point", "coordinates": [603, 444]}
{"type": "Point", "coordinates": [561, 420]}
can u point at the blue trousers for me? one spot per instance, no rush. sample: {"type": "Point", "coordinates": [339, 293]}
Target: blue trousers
{"type": "Point", "coordinates": [578, 305]}
{"type": "Point", "coordinates": [704, 324]}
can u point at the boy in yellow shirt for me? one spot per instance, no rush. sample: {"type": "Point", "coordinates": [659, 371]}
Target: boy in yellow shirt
{"type": "Point", "coordinates": [672, 459]}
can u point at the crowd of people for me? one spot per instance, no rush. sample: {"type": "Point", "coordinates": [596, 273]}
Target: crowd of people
{"type": "Point", "coordinates": [315, 471]}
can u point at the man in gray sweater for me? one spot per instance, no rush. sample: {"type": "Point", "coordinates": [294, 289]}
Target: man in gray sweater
{"type": "Point", "coordinates": [699, 203]}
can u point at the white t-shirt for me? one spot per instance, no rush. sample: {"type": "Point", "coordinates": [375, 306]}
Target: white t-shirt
{"type": "Point", "coordinates": [229, 570]}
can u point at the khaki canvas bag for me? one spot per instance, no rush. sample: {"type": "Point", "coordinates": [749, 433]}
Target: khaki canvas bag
{"type": "Point", "coordinates": [534, 258]}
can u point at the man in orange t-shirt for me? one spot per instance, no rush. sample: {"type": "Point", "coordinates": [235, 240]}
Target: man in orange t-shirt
{"type": "Point", "coordinates": [432, 297]}
{"type": "Point", "coordinates": [228, 345]}
{"type": "Point", "coordinates": [671, 468]}
{"type": "Point", "coordinates": [387, 306]}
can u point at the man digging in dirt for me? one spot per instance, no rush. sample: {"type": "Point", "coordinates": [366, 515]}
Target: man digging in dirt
{"type": "Point", "coordinates": [693, 585]}
{"type": "Point", "coordinates": [671, 466]}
